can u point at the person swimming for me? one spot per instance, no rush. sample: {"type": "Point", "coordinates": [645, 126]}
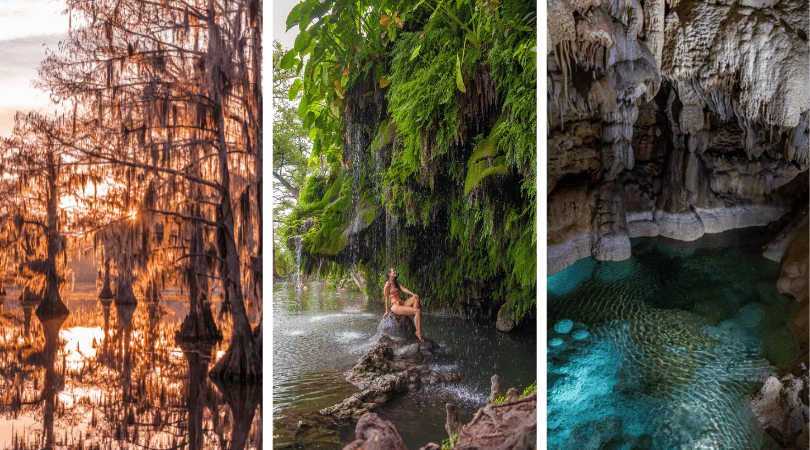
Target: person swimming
{"type": "Point", "coordinates": [392, 292]}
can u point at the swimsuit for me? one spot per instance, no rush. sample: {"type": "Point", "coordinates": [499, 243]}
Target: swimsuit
{"type": "Point", "coordinates": [394, 296]}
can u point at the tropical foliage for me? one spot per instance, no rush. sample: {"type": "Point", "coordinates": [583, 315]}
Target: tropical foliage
{"type": "Point", "coordinates": [422, 116]}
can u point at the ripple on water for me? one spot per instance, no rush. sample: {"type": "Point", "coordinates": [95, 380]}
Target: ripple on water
{"type": "Point", "coordinates": [678, 344]}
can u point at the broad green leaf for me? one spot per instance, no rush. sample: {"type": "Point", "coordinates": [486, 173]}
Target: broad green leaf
{"type": "Point", "coordinates": [301, 41]}
{"type": "Point", "coordinates": [294, 16]}
{"type": "Point", "coordinates": [295, 89]}
{"type": "Point", "coordinates": [288, 60]}
{"type": "Point", "coordinates": [415, 52]}
{"type": "Point", "coordinates": [459, 78]}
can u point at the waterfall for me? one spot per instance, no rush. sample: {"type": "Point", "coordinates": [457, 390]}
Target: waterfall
{"type": "Point", "coordinates": [299, 241]}
{"type": "Point", "coordinates": [390, 238]}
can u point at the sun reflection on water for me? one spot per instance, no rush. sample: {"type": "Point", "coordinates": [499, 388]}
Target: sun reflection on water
{"type": "Point", "coordinates": [116, 385]}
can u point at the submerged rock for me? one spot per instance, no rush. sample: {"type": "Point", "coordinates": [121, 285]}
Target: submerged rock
{"type": "Point", "coordinates": [580, 334]}
{"type": "Point", "coordinates": [563, 326]}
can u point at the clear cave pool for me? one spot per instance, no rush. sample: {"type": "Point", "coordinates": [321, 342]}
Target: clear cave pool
{"type": "Point", "coordinates": [679, 336]}
{"type": "Point", "coordinates": [320, 335]}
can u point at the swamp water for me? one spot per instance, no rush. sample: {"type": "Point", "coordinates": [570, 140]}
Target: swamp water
{"type": "Point", "coordinates": [63, 385]}
{"type": "Point", "coordinates": [318, 338]}
{"type": "Point", "coordinates": [679, 337]}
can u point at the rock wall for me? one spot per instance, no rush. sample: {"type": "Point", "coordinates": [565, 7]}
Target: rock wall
{"type": "Point", "coordinates": [674, 119]}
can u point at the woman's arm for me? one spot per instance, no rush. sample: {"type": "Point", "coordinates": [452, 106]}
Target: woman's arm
{"type": "Point", "coordinates": [385, 297]}
{"type": "Point", "coordinates": [405, 290]}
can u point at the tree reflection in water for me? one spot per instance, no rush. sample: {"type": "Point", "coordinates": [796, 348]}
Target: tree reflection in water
{"type": "Point", "coordinates": [111, 377]}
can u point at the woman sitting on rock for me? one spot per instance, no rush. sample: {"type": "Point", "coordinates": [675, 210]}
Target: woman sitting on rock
{"type": "Point", "coordinates": [410, 307]}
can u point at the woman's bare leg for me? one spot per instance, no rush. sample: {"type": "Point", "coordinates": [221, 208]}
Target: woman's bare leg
{"type": "Point", "coordinates": [413, 302]}
{"type": "Point", "coordinates": [411, 311]}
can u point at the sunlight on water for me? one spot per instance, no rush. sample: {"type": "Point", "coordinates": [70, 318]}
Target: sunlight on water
{"type": "Point", "coordinates": [13, 427]}
{"type": "Point", "coordinates": [77, 381]}
{"type": "Point", "coordinates": [79, 346]}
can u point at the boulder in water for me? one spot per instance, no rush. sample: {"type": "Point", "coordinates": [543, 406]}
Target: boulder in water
{"type": "Point", "coordinates": [495, 390]}
{"type": "Point", "coordinates": [398, 327]}
{"type": "Point", "coordinates": [506, 319]}
{"type": "Point", "coordinates": [374, 433]}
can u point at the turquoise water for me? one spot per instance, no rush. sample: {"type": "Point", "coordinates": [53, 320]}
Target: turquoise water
{"type": "Point", "coordinates": [679, 336]}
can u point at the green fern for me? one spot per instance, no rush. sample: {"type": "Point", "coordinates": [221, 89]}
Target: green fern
{"type": "Point", "coordinates": [530, 389]}
{"type": "Point", "coordinates": [450, 442]}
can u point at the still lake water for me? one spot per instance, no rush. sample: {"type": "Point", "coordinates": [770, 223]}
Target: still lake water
{"type": "Point", "coordinates": [63, 385]}
{"type": "Point", "coordinates": [317, 339]}
{"type": "Point", "coordinates": [680, 335]}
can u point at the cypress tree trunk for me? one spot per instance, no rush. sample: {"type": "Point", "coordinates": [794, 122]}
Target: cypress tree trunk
{"type": "Point", "coordinates": [199, 324]}
{"type": "Point", "coordinates": [243, 400]}
{"type": "Point", "coordinates": [52, 305]}
{"type": "Point", "coordinates": [241, 361]}
{"type": "Point", "coordinates": [197, 358]}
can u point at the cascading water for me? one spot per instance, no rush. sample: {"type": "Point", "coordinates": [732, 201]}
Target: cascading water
{"type": "Point", "coordinates": [389, 239]}
{"type": "Point", "coordinates": [299, 243]}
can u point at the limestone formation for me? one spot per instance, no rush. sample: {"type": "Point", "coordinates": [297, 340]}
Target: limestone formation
{"type": "Point", "coordinates": [673, 121]}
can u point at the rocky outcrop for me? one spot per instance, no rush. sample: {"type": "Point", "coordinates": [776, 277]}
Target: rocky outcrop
{"type": "Point", "coordinates": [509, 425]}
{"type": "Point", "coordinates": [373, 433]}
{"type": "Point", "coordinates": [780, 407]}
{"type": "Point", "coordinates": [669, 121]}
{"type": "Point", "coordinates": [512, 425]}
{"type": "Point", "coordinates": [392, 366]}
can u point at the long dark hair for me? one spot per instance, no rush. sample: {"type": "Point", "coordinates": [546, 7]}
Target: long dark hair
{"type": "Point", "coordinates": [388, 275]}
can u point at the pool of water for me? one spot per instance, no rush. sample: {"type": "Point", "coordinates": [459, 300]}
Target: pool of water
{"type": "Point", "coordinates": [679, 336]}
{"type": "Point", "coordinates": [70, 384]}
{"type": "Point", "coordinates": [322, 334]}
